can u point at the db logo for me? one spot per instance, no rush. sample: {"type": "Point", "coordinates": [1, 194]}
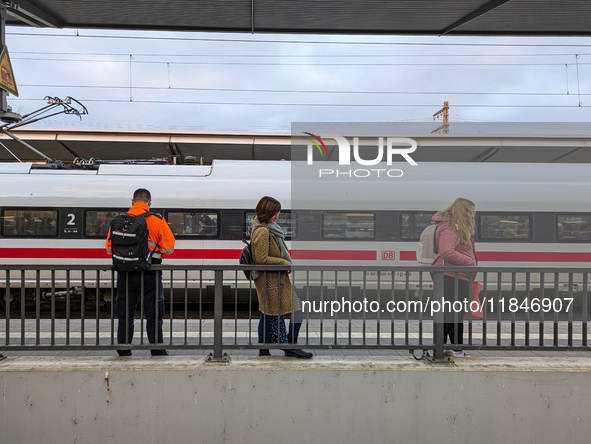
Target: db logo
{"type": "Point", "coordinates": [388, 255]}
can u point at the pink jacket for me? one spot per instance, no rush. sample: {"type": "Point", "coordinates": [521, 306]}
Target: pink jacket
{"type": "Point", "coordinates": [449, 253]}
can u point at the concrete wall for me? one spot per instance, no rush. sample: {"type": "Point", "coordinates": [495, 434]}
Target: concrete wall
{"type": "Point", "coordinates": [277, 400]}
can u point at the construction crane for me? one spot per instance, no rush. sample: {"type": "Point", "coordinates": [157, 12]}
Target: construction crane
{"type": "Point", "coordinates": [442, 113]}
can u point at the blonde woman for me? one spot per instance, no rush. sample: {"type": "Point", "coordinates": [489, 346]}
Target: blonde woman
{"type": "Point", "coordinates": [276, 297]}
{"type": "Point", "coordinates": [455, 244]}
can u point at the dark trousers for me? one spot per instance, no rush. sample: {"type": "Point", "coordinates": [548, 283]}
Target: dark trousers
{"type": "Point", "coordinates": [451, 328]}
{"type": "Point", "coordinates": [268, 330]}
{"type": "Point", "coordinates": [130, 284]}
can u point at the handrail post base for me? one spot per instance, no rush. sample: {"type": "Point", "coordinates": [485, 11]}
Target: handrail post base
{"type": "Point", "coordinates": [225, 359]}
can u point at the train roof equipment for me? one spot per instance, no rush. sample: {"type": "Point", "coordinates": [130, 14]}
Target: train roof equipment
{"type": "Point", "coordinates": [528, 143]}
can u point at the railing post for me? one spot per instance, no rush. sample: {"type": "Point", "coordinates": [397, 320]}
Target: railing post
{"type": "Point", "coordinates": [218, 315]}
{"type": "Point", "coordinates": [438, 318]}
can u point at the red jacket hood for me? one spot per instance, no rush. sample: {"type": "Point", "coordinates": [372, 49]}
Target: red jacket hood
{"type": "Point", "coordinates": [437, 218]}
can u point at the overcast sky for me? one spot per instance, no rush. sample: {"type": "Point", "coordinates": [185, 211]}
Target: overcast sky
{"type": "Point", "coordinates": [178, 80]}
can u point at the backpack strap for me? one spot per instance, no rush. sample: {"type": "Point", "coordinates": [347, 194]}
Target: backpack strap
{"type": "Point", "coordinates": [159, 216]}
{"type": "Point", "coordinates": [149, 213]}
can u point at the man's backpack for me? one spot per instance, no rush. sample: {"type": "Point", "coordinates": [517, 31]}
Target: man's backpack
{"type": "Point", "coordinates": [427, 247]}
{"type": "Point", "coordinates": [129, 242]}
{"type": "Point", "coordinates": [246, 257]}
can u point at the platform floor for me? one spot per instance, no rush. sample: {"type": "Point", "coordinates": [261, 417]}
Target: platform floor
{"type": "Point", "coordinates": [243, 332]}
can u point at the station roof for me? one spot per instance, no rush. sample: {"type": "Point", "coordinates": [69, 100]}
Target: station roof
{"type": "Point", "coordinates": [67, 144]}
{"type": "Point", "coordinates": [411, 17]}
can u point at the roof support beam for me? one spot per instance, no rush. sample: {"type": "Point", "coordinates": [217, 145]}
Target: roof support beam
{"type": "Point", "coordinates": [477, 13]}
{"type": "Point", "coordinates": [27, 12]}
{"type": "Point", "coordinates": [565, 155]}
{"type": "Point", "coordinates": [494, 150]}
{"type": "Point", "coordinates": [173, 153]}
{"type": "Point", "coordinates": [8, 133]}
{"type": "Point", "coordinates": [68, 149]}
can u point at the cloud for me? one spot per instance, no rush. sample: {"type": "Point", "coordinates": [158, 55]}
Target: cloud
{"type": "Point", "coordinates": [434, 72]}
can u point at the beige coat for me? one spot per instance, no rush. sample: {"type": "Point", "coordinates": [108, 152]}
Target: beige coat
{"type": "Point", "coordinates": [269, 283]}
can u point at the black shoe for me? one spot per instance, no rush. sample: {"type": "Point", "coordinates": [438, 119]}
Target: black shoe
{"type": "Point", "coordinates": [159, 353]}
{"type": "Point", "coordinates": [124, 352]}
{"type": "Point", "coordinates": [298, 353]}
{"type": "Point", "coordinates": [264, 352]}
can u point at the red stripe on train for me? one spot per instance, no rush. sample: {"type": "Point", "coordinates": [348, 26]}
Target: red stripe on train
{"type": "Point", "coordinates": [335, 255]}
{"type": "Point", "coordinates": [322, 255]}
{"type": "Point", "coordinates": [339, 255]}
{"type": "Point", "coordinates": [505, 256]}
{"type": "Point", "coordinates": [95, 253]}
{"type": "Point", "coordinates": [204, 254]}
{"type": "Point", "coordinates": [99, 253]}
{"type": "Point", "coordinates": [53, 253]}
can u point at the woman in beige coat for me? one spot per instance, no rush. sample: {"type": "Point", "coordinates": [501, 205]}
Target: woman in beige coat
{"type": "Point", "coordinates": [276, 296]}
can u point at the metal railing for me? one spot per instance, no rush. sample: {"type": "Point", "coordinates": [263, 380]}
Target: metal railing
{"type": "Point", "coordinates": [346, 307]}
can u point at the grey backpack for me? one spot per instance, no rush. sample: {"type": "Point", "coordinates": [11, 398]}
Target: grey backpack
{"type": "Point", "coordinates": [427, 252]}
{"type": "Point", "coordinates": [427, 248]}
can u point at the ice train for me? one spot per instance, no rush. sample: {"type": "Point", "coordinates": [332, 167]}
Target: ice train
{"type": "Point", "coordinates": [527, 214]}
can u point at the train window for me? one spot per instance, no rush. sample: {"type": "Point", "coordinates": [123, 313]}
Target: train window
{"type": "Point", "coordinates": [194, 224]}
{"type": "Point", "coordinates": [499, 227]}
{"type": "Point", "coordinates": [348, 225]}
{"type": "Point", "coordinates": [29, 223]}
{"type": "Point", "coordinates": [412, 224]}
{"type": "Point", "coordinates": [287, 221]}
{"type": "Point", "coordinates": [573, 228]}
{"type": "Point", "coordinates": [97, 222]}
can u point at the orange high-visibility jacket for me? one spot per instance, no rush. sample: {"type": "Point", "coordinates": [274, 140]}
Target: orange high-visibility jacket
{"type": "Point", "coordinates": [158, 231]}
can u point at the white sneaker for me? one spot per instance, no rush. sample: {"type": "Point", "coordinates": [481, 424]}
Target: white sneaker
{"type": "Point", "coordinates": [458, 354]}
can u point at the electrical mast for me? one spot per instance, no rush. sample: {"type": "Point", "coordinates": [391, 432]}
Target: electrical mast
{"type": "Point", "coordinates": [442, 113]}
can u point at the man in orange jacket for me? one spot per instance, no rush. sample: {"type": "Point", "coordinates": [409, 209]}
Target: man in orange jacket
{"type": "Point", "coordinates": [160, 240]}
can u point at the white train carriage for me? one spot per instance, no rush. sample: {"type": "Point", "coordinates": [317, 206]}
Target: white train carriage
{"type": "Point", "coordinates": [527, 215]}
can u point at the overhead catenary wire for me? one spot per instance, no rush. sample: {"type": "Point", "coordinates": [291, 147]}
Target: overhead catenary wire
{"type": "Point", "coordinates": [578, 84]}
{"type": "Point", "coordinates": [130, 79]}
{"type": "Point", "coordinates": [380, 105]}
{"type": "Point", "coordinates": [552, 58]}
{"type": "Point", "coordinates": [293, 56]}
{"type": "Point", "coordinates": [39, 59]}
{"type": "Point", "coordinates": [493, 123]}
{"type": "Point", "coordinates": [188, 88]}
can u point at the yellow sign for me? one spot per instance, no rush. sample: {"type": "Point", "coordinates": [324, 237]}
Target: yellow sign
{"type": "Point", "coordinates": [7, 81]}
